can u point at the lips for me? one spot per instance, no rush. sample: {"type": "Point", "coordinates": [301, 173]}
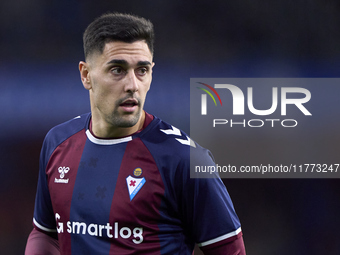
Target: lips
{"type": "Point", "coordinates": [129, 105]}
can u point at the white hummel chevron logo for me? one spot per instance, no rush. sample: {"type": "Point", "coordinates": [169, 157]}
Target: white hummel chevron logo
{"type": "Point", "coordinates": [187, 141]}
{"type": "Point", "coordinates": [176, 131]}
{"type": "Point", "coordinates": [173, 131]}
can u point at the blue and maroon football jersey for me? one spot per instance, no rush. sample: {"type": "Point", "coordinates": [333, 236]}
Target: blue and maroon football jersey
{"type": "Point", "coordinates": [132, 195]}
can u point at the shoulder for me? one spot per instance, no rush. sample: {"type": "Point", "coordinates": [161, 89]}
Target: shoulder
{"type": "Point", "coordinates": [162, 134]}
{"type": "Point", "coordinates": [63, 131]}
{"type": "Point", "coordinates": [167, 140]}
{"type": "Point", "coordinates": [69, 128]}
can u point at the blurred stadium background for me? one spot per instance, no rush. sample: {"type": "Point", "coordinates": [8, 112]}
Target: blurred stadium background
{"type": "Point", "coordinates": [41, 45]}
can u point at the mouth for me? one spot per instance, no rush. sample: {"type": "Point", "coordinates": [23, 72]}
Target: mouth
{"type": "Point", "coordinates": [129, 105]}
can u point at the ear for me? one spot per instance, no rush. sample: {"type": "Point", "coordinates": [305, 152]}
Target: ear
{"type": "Point", "coordinates": [85, 75]}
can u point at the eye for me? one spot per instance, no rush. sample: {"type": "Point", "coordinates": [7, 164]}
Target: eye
{"type": "Point", "coordinates": [142, 70]}
{"type": "Point", "coordinates": [117, 70]}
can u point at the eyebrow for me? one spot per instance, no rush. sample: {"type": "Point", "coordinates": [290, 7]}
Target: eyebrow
{"type": "Point", "coordinates": [124, 62]}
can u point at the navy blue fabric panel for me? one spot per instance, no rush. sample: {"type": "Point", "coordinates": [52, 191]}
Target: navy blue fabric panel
{"type": "Point", "coordinates": [168, 154]}
{"type": "Point", "coordinates": [193, 209]}
{"type": "Point", "coordinates": [98, 171]}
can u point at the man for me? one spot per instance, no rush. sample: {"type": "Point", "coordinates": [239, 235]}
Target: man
{"type": "Point", "coordinates": [117, 180]}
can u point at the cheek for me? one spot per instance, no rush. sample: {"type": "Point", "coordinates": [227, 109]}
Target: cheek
{"type": "Point", "coordinates": [103, 87]}
{"type": "Point", "coordinates": [103, 95]}
{"type": "Point", "coordinates": [147, 88]}
{"type": "Point", "coordinates": [144, 91]}
{"type": "Point", "coordinates": [147, 85]}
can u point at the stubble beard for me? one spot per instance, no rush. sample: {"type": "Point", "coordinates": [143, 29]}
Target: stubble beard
{"type": "Point", "coordinates": [125, 120]}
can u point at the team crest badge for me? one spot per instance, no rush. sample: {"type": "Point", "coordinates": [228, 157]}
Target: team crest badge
{"type": "Point", "coordinates": [134, 185]}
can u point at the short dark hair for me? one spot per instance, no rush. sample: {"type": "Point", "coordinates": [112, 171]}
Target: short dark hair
{"type": "Point", "coordinates": [117, 27]}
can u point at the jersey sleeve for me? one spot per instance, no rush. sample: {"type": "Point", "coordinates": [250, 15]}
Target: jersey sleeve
{"type": "Point", "coordinates": [235, 246]}
{"type": "Point", "coordinates": [208, 210]}
{"type": "Point", "coordinates": [40, 243]}
{"type": "Point", "coordinates": [43, 212]}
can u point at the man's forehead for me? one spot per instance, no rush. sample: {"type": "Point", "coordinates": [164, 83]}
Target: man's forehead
{"type": "Point", "coordinates": [131, 53]}
{"type": "Point", "coordinates": [118, 48]}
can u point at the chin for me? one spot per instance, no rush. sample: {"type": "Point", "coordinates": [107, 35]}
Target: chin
{"type": "Point", "coordinates": [127, 121]}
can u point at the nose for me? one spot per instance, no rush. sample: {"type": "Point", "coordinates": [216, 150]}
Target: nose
{"type": "Point", "coordinates": [131, 85]}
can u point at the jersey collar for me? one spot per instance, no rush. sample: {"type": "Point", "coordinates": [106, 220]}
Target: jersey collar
{"type": "Point", "coordinates": [96, 140]}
